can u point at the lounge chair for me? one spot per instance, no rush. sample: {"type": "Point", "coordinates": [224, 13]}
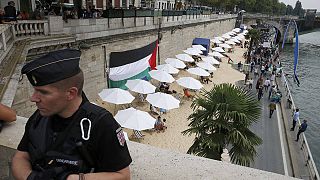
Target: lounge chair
{"type": "Point", "coordinates": [137, 135]}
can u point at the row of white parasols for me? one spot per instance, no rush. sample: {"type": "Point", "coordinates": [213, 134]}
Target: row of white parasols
{"type": "Point", "coordinates": [139, 120]}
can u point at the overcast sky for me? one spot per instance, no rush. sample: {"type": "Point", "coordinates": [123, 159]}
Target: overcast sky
{"type": "Point", "coordinates": [306, 4]}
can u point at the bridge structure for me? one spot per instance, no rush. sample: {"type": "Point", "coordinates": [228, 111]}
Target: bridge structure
{"type": "Point", "coordinates": [278, 22]}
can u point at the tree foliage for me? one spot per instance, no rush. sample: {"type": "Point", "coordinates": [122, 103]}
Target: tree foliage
{"type": "Point", "coordinates": [221, 118]}
{"type": "Point", "coordinates": [256, 6]}
{"type": "Point", "coordinates": [254, 37]}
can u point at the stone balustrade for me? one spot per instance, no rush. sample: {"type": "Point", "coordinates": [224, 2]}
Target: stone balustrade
{"type": "Point", "coordinates": [31, 28]}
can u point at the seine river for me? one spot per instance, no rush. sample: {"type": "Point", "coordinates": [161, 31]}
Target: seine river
{"type": "Point", "coordinates": [307, 96]}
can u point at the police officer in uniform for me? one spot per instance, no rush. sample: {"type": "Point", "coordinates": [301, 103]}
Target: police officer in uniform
{"type": "Point", "coordinates": [67, 137]}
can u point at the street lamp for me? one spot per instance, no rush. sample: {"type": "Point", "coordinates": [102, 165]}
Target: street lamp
{"type": "Point", "coordinates": [242, 12]}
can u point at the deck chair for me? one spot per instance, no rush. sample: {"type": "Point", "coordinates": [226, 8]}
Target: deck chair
{"type": "Point", "coordinates": [137, 135]}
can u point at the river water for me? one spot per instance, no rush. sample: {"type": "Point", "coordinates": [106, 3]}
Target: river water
{"type": "Point", "coordinates": [307, 96]}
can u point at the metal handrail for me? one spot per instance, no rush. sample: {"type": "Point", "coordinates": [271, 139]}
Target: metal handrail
{"type": "Point", "coordinates": [304, 144]}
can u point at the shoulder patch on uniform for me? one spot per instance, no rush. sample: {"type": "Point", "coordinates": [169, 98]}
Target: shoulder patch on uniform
{"type": "Point", "coordinates": [120, 136]}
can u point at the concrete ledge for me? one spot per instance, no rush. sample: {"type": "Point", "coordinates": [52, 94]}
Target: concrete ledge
{"type": "Point", "coordinates": [148, 162]}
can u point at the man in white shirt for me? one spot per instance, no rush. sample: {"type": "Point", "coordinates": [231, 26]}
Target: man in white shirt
{"type": "Point", "coordinates": [266, 84]}
{"type": "Point", "coordinates": [295, 119]}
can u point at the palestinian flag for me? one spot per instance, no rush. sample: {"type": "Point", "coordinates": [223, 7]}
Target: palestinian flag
{"type": "Point", "coordinates": [132, 64]}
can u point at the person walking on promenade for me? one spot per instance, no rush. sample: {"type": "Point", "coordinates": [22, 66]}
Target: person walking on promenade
{"type": "Point", "coordinates": [255, 72]}
{"type": "Point", "coordinates": [252, 66]}
{"type": "Point", "coordinates": [260, 93]}
{"type": "Point", "coordinates": [266, 84]}
{"type": "Point", "coordinates": [272, 107]}
{"type": "Point", "coordinates": [302, 129]}
{"type": "Point", "coordinates": [273, 78]}
{"type": "Point", "coordinates": [259, 83]}
{"type": "Point", "coordinates": [295, 119]}
{"type": "Point", "coordinates": [250, 83]}
{"type": "Point", "coordinates": [272, 91]}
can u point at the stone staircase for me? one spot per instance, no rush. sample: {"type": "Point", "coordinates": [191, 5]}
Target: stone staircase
{"type": "Point", "coordinates": [16, 55]}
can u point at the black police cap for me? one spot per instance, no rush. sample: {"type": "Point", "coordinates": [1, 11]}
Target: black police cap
{"type": "Point", "coordinates": [53, 67]}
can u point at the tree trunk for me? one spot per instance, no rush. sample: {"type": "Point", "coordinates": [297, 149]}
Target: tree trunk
{"type": "Point", "coordinates": [249, 52]}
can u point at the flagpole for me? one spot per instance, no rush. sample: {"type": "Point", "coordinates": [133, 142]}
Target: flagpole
{"type": "Point", "coordinates": [159, 39]}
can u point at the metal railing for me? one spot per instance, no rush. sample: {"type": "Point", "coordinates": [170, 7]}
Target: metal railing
{"type": "Point", "coordinates": [312, 168]}
{"type": "Point", "coordinates": [259, 15]}
{"type": "Point", "coordinates": [126, 13]}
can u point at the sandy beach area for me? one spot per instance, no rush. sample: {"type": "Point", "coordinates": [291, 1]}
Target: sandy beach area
{"type": "Point", "coordinates": [172, 139]}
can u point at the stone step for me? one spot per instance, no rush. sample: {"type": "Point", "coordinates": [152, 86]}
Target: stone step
{"type": "Point", "coordinates": [9, 63]}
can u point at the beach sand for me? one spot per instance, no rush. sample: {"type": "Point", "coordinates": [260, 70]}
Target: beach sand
{"type": "Point", "coordinates": [172, 139]}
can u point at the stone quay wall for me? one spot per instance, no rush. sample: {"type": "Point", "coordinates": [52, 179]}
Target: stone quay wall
{"type": "Point", "coordinates": [94, 59]}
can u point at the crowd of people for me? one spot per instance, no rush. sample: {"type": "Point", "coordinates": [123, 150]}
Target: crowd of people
{"type": "Point", "coordinates": [265, 67]}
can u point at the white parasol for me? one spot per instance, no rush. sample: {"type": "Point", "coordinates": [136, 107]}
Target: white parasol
{"type": "Point", "coordinates": [210, 60]}
{"type": "Point", "coordinates": [190, 83]}
{"type": "Point", "coordinates": [216, 54]}
{"type": "Point", "coordinates": [116, 96]}
{"type": "Point", "coordinates": [192, 51]}
{"type": "Point", "coordinates": [230, 42]}
{"type": "Point", "coordinates": [198, 46]}
{"type": "Point", "coordinates": [185, 57]}
{"type": "Point", "coordinates": [168, 68]}
{"type": "Point", "coordinates": [218, 49]}
{"type": "Point", "coordinates": [175, 63]}
{"type": "Point", "coordinates": [227, 46]}
{"type": "Point", "coordinates": [135, 119]}
{"type": "Point", "coordinates": [207, 66]}
{"type": "Point", "coordinates": [198, 71]}
{"type": "Point", "coordinates": [140, 86]}
{"type": "Point", "coordinates": [162, 100]}
{"type": "Point", "coordinates": [161, 76]}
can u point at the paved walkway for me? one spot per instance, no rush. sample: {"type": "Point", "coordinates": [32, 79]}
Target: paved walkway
{"type": "Point", "coordinates": [278, 153]}
{"type": "Point", "coordinates": [269, 153]}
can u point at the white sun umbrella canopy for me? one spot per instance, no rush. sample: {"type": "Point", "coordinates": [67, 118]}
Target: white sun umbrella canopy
{"type": "Point", "coordinates": [238, 38]}
{"type": "Point", "coordinates": [140, 86]}
{"type": "Point", "coordinates": [161, 76]}
{"type": "Point", "coordinates": [241, 36]}
{"type": "Point", "coordinates": [216, 54]}
{"type": "Point", "coordinates": [230, 42]}
{"type": "Point", "coordinates": [185, 57]}
{"type": "Point", "coordinates": [132, 118]}
{"type": "Point", "coordinates": [227, 46]}
{"type": "Point", "coordinates": [175, 63]}
{"type": "Point", "coordinates": [226, 36]}
{"type": "Point", "coordinates": [206, 66]}
{"type": "Point", "coordinates": [231, 33]}
{"type": "Point", "coordinates": [163, 100]}
{"type": "Point", "coordinates": [235, 40]}
{"type": "Point", "coordinates": [168, 68]}
{"type": "Point", "coordinates": [192, 51]}
{"type": "Point", "coordinates": [237, 30]}
{"type": "Point", "coordinates": [198, 46]}
{"type": "Point", "coordinates": [219, 38]}
{"type": "Point", "coordinates": [198, 71]}
{"type": "Point", "coordinates": [116, 96]}
{"type": "Point", "coordinates": [218, 49]}
{"type": "Point", "coordinates": [190, 83]}
{"type": "Point", "coordinates": [217, 41]}
{"type": "Point", "coordinates": [210, 60]}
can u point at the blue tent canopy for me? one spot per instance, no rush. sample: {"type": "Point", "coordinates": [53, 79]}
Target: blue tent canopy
{"type": "Point", "coordinates": [204, 42]}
